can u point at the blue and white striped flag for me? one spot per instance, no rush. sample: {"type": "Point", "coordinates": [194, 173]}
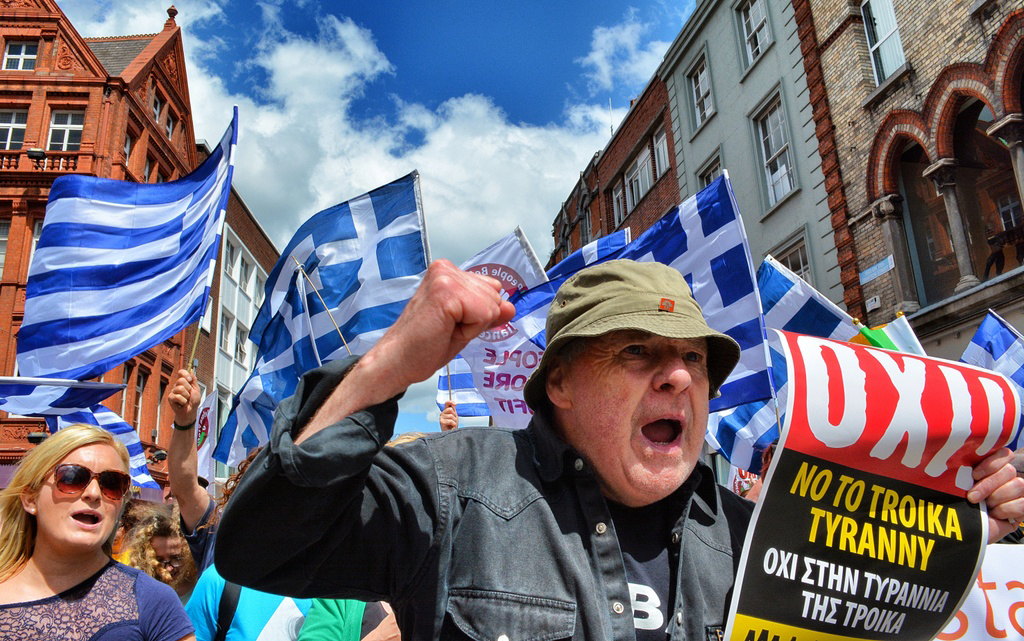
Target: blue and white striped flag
{"type": "Point", "coordinates": [532, 305]}
{"type": "Point", "coordinates": [101, 416]}
{"type": "Point", "coordinates": [998, 346]}
{"type": "Point", "coordinates": [365, 258]}
{"type": "Point", "coordinates": [703, 239]}
{"type": "Point", "coordinates": [789, 303]}
{"type": "Point", "coordinates": [121, 266]}
{"type": "Point", "coordinates": [51, 396]}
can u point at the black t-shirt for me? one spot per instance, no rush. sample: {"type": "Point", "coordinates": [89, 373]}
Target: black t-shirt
{"type": "Point", "coordinates": [645, 536]}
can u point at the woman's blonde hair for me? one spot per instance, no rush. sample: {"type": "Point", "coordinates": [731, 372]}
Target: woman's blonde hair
{"type": "Point", "coordinates": [159, 520]}
{"type": "Point", "coordinates": [18, 527]}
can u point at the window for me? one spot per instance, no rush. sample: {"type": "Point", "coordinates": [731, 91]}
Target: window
{"type": "Point", "coordinates": [618, 205]}
{"type": "Point", "coordinates": [661, 164]}
{"type": "Point", "coordinates": [207, 318]}
{"type": "Point", "coordinates": [258, 296]}
{"type": "Point", "coordinates": [66, 130]}
{"type": "Point", "coordinates": [795, 260]}
{"type": "Point", "coordinates": [5, 232]}
{"type": "Point", "coordinates": [229, 259]}
{"type": "Point", "coordinates": [160, 177]}
{"type": "Point", "coordinates": [241, 336]}
{"type": "Point", "coordinates": [227, 322]}
{"type": "Point", "coordinates": [171, 122]}
{"type": "Point", "coordinates": [771, 125]}
{"type": "Point", "coordinates": [584, 227]}
{"type": "Point", "coordinates": [37, 229]}
{"type": "Point", "coordinates": [700, 83]}
{"type": "Point", "coordinates": [243, 275]}
{"type": "Point", "coordinates": [12, 128]}
{"type": "Point", "coordinates": [883, 37]}
{"type": "Point", "coordinates": [21, 56]}
{"type": "Point", "coordinates": [1010, 211]}
{"type": "Point", "coordinates": [129, 144]}
{"type": "Point", "coordinates": [125, 379]}
{"type": "Point", "coordinates": [158, 106]}
{"type": "Point", "coordinates": [140, 389]}
{"type": "Point", "coordinates": [710, 173]}
{"type": "Point", "coordinates": [148, 169]}
{"type": "Point", "coordinates": [755, 28]}
{"type": "Point", "coordinates": [638, 179]}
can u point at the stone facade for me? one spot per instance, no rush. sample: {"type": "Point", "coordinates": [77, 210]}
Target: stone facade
{"type": "Point", "coordinates": [918, 162]}
{"type": "Point", "coordinates": [756, 74]}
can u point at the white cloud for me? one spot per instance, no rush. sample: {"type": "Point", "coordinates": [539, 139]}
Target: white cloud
{"type": "Point", "coordinates": [300, 148]}
{"type": "Point", "coordinates": [620, 54]}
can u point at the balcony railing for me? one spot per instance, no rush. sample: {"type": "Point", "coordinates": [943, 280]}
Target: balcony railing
{"type": "Point", "coordinates": [39, 160]}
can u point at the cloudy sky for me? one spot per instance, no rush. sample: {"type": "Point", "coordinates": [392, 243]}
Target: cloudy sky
{"type": "Point", "coordinates": [499, 105]}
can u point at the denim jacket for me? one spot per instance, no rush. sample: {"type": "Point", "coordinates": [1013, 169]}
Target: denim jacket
{"type": "Point", "coordinates": [470, 534]}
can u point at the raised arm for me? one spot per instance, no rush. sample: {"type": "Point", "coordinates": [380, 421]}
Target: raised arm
{"type": "Point", "coordinates": [321, 513]}
{"type": "Point", "coordinates": [450, 308]}
{"type": "Point", "coordinates": [182, 459]}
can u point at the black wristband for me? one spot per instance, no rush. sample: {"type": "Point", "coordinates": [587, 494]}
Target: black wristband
{"type": "Point", "coordinates": [183, 428]}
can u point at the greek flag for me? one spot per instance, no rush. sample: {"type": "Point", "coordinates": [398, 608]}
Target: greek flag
{"type": "Point", "coordinates": [121, 267]}
{"type": "Point", "coordinates": [789, 303]}
{"type": "Point", "coordinates": [703, 239]}
{"type": "Point", "coordinates": [51, 396]}
{"type": "Point", "coordinates": [106, 418]}
{"type": "Point", "coordinates": [360, 263]}
{"type": "Point", "coordinates": [998, 346]}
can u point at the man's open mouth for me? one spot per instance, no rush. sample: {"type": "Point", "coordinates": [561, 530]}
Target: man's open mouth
{"type": "Point", "coordinates": [663, 431]}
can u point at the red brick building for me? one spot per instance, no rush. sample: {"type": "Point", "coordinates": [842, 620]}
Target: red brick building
{"type": "Point", "coordinates": [113, 107]}
{"type": "Point", "coordinates": [919, 113]}
{"type": "Point", "coordinates": [630, 183]}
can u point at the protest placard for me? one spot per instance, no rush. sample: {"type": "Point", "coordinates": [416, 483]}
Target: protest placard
{"type": "Point", "coordinates": [863, 530]}
{"type": "Point", "coordinates": [994, 609]}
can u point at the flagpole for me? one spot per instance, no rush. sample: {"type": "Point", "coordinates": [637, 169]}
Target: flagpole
{"type": "Point", "coordinates": [322, 302]}
{"type": "Point", "coordinates": [192, 354]}
{"type": "Point", "coordinates": [448, 371]}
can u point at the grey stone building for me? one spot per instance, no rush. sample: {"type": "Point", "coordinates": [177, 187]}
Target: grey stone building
{"type": "Point", "coordinates": [739, 102]}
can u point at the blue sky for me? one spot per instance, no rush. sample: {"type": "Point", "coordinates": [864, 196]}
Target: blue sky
{"type": "Point", "coordinates": [499, 105]}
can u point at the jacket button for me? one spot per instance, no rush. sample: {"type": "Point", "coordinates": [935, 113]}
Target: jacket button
{"type": "Point", "coordinates": [679, 617]}
{"type": "Point", "coordinates": [503, 637]}
{"type": "Point", "coordinates": [601, 528]}
{"type": "Point", "coordinates": [676, 537]}
{"type": "Point", "coordinates": [618, 608]}
{"type": "Point", "coordinates": [578, 465]}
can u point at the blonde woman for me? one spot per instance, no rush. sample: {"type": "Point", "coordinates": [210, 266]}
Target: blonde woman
{"type": "Point", "coordinates": [156, 546]}
{"type": "Point", "coordinates": [57, 522]}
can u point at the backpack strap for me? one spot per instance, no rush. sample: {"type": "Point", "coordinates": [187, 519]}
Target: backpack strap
{"type": "Point", "coordinates": [226, 609]}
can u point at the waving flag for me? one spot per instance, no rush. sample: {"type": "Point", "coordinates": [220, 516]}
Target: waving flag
{"type": "Point", "coordinates": [703, 239]}
{"type": "Point", "coordinates": [121, 266]}
{"type": "Point", "coordinates": [106, 418]}
{"type": "Point", "coordinates": [365, 258]}
{"type": "Point", "coordinates": [998, 346]}
{"type": "Point", "coordinates": [206, 428]}
{"type": "Point", "coordinates": [513, 262]}
{"type": "Point", "coordinates": [788, 303]}
{"type": "Point", "coordinates": [897, 335]}
{"type": "Point", "coordinates": [51, 396]}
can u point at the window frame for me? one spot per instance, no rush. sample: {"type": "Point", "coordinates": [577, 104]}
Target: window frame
{"type": "Point", "coordinates": [661, 155]}
{"type": "Point", "coordinates": [867, 14]}
{"type": "Point", "coordinates": [241, 334]}
{"type": "Point", "coordinates": [12, 126]}
{"type": "Point", "coordinates": [170, 124]}
{"type": "Point", "coordinates": [22, 57]}
{"type": "Point", "coordinates": [635, 176]}
{"type": "Point", "coordinates": [227, 331]}
{"type": "Point", "coordinates": [157, 105]}
{"type": "Point", "coordinates": [709, 171]}
{"type": "Point", "coordinates": [702, 100]}
{"type": "Point", "coordinates": [141, 380]}
{"type": "Point", "coordinates": [797, 246]}
{"type": "Point", "coordinates": [5, 239]}
{"type": "Point", "coordinates": [619, 203]}
{"type": "Point", "coordinates": [748, 30]}
{"type": "Point", "coordinates": [762, 125]}
{"type": "Point", "coordinates": [70, 128]}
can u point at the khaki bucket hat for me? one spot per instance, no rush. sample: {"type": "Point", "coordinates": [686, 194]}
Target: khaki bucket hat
{"type": "Point", "coordinates": [628, 295]}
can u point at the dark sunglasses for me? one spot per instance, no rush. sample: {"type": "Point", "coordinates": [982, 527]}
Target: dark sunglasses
{"type": "Point", "coordinates": [73, 479]}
